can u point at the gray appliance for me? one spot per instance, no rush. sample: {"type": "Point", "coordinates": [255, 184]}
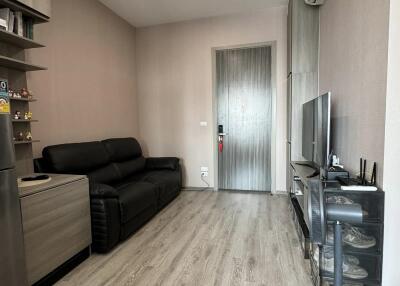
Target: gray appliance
{"type": "Point", "coordinates": [12, 256]}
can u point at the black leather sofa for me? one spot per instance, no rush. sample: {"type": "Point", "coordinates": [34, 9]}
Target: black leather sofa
{"type": "Point", "coordinates": [126, 189]}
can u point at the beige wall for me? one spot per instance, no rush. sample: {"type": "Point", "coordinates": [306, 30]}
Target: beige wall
{"type": "Point", "coordinates": [391, 185]}
{"type": "Point", "coordinates": [43, 6]}
{"type": "Point", "coordinates": [88, 92]}
{"type": "Point", "coordinates": [353, 65]}
{"type": "Point", "coordinates": [175, 87]}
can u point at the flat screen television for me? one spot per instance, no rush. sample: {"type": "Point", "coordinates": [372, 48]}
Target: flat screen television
{"type": "Point", "coordinates": [316, 130]}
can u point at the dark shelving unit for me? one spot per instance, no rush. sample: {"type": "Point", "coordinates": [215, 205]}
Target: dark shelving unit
{"type": "Point", "coordinates": [13, 68]}
{"type": "Point", "coordinates": [370, 258]}
{"type": "Point", "coordinates": [26, 10]}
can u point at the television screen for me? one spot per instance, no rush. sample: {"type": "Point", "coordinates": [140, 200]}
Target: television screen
{"type": "Point", "coordinates": [322, 129]}
{"type": "Point", "coordinates": [316, 130]}
{"type": "Point", "coordinates": [308, 131]}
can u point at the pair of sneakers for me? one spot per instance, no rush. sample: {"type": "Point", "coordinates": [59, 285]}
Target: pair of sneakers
{"type": "Point", "coordinates": [351, 267]}
{"type": "Point", "coordinates": [340, 200]}
{"type": "Point", "coordinates": [353, 236]}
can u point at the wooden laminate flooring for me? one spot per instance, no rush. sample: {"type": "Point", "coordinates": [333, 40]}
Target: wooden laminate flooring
{"type": "Point", "coordinates": [205, 238]}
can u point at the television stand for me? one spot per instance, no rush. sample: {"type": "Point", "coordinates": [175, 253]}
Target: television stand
{"type": "Point", "coordinates": [307, 164]}
{"type": "Point", "coordinates": [316, 173]}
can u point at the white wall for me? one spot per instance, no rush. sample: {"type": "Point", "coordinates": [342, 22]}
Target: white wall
{"type": "Point", "coordinates": [391, 183]}
{"type": "Point", "coordinates": [353, 65]}
{"type": "Point", "coordinates": [88, 92]}
{"type": "Point", "coordinates": [175, 87]}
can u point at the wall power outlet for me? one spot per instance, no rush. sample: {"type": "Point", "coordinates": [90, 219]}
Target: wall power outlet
{"type": "Point", "coordinates": [204, 171]}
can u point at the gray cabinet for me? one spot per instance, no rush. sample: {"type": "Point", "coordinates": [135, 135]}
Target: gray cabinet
{"type": "Point", "coordinates": [303, 50]}
{"type": "Point", "coordinates": [304, 40]}
{"type": "Point", "coordinates": [56, 223]}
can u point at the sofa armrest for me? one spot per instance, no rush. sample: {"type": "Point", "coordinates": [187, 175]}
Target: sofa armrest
{"type": "Point", "coordinates": [106, 223]}
{"type": "Point", "coordinates": [164, 163]}
{"type": "Point", "coordinates": [102, 191]}
{"type": "Point", "coordinates": [40, 166]}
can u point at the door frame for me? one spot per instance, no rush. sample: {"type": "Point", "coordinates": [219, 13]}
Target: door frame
{"type": "Point", "coordinates": [273, 45]}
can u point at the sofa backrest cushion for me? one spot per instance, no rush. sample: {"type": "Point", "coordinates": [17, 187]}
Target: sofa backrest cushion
{"type": "Point", "coordinates": [76, 157]}
{"type": "Point", "coordinates": [122, 149]}
{"type": "Point", "coordinates": [131, 167]}
{"type": "Point", "coordinates": [104, 175]}
{"type": "Point", "coordinates": [126, 154]}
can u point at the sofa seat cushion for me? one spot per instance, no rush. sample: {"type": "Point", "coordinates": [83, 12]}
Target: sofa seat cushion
{"type": "Point", "coordinates": [134, 198]}
{"type": "Point", "coordinates": [135, 178]}
{"type": "Point", "coordinates": [168, 182]}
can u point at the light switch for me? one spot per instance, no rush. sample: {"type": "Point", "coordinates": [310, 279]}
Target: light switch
{"type": "Point", "coordinates": [203, 123]}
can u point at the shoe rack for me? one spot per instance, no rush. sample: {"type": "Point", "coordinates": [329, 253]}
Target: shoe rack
{"type": "Point", "coordinates": [13, 67]}
{"type": "Point", "coordinates": [362, 243]}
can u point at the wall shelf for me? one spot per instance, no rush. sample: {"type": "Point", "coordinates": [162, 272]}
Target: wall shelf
{"type": "Point", "coordinates": [25, 142]}
{"type": "Point", "coordinates": [18, 65]}
{"type": "Point", "coordinates": [22, 99]}
{"type": "Point", "coordinates": [26, 10]}
{"type": "Point", "coordinates": [18, 41]}
{"type": "Point", "coordinates": [23, 121]}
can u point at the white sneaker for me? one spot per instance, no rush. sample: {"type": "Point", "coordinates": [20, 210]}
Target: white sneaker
{"type": "Point", "coordinates": [347, 259]}
{"type": "Point", "coordinates": [355, 237]}
{"type": "Point", "coordinates": [351, 269]}
{"type": "Point", "coordinates": [340, 200]}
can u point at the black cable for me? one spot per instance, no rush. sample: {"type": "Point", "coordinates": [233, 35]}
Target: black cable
{"type": "Point", "coordinates": [208, 185]}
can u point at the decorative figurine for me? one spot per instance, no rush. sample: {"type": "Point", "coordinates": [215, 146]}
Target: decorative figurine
{"type": "Point", "coordinates": [28, 115]}
{"type": "Point", "coordinates": [28, 136]}
{"type": "Point", "coordinates": [16, 95]}
{"type": "Point", "coordinates": [25, 93]}
{"type": "Point", "coordinates": [17, 115]}
{"type": "Point", "coordinates": [20, 136]}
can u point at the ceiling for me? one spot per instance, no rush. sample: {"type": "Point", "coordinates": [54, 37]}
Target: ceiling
{"type": "Point", "coordinates": [141, 13]}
